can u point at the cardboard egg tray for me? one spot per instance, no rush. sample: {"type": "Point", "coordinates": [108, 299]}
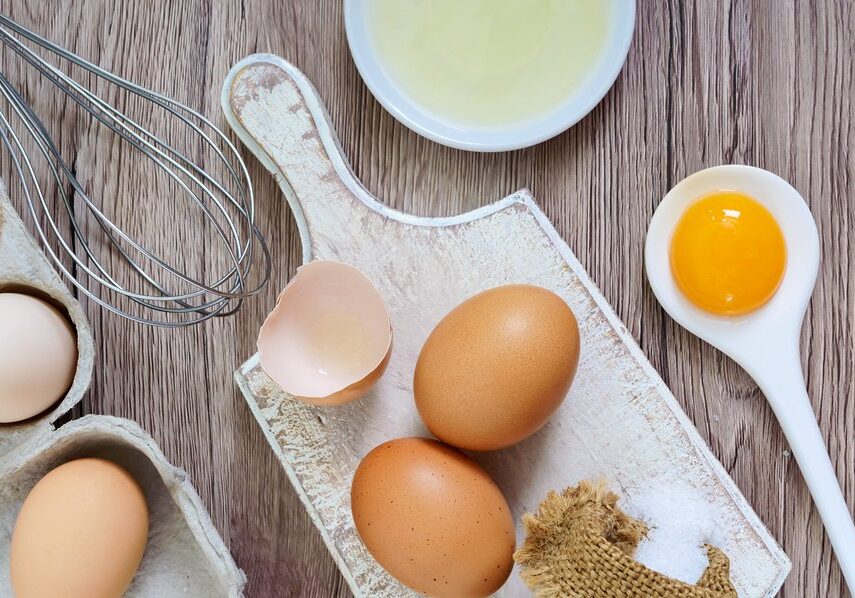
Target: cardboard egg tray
{"type": "Point", "coordinates": [185, 555]}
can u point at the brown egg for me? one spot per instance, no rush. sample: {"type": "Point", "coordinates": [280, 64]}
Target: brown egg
{"type": "Point", "coordinates": [81, 533]}
{"type": "Point", "coordinates": [497, 367]}
{"type": "Point", "coordinates": [433, 518]}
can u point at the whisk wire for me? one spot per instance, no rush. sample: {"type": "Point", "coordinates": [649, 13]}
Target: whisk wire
{"type": "Point", "coordinates": [230, 214]}
{"type": "Point", "coordinates": [59, 78]}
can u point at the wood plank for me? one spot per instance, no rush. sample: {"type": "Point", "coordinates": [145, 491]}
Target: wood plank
{"type": "Point", "coordinates": [708, 82]}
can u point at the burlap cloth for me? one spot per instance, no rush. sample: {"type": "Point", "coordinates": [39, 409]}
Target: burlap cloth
{"type": "Point", "coordinates": [580, 544]}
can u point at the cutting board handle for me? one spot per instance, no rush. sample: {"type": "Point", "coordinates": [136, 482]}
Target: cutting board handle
{"type": "Point", "coordinates": [280, 117]}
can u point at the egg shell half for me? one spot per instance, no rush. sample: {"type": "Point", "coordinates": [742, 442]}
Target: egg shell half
{"type": "Point", "coordinates": [81, 533]}
{"type": "Point", "coordinates": [496, 368]}
{"type": "Point", "coordinates": [433, 518]}
{"type": "Point", "coordinates": [329, 338]}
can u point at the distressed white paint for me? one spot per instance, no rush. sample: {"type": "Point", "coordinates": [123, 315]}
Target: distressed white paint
{"type": "Point", "coordinates": [185, 555]}
{"type": "Point", "coordinates": [619, 421]}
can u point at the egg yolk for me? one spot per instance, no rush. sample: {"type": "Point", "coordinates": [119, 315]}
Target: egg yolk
{"type": "Point", "coordinates": [728, 254]}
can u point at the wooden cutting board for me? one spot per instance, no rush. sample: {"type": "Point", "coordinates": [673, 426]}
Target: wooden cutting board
{"type": "Point", "coordinates": [619, 421]}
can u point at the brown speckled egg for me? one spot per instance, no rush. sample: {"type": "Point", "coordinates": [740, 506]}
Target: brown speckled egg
{"type": "Point", "coordinates": [433, 518]}
{"type": "Point", "coordinates": [496, 368]}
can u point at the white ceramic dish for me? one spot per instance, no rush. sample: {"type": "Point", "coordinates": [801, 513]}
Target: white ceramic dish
{"type": "Point", "coordinates": [764, 342]}
{"type": "Point", "coordinates": [512, 137]}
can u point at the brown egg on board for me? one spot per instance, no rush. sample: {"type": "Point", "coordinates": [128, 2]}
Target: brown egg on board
{"type": "Point", "coordinates": [433, 518]}
{"type": "Point", "coordinates": [496, 368]}
{"type": "Point", "coordinates": [81, 533]}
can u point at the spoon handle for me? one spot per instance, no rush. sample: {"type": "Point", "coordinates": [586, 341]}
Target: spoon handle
{"type": "Point", "coordinates": [784, 388]}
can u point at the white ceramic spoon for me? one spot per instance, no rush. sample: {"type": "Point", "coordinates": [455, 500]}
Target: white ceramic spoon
{"type": "Point", "coordinates": [766, 341]}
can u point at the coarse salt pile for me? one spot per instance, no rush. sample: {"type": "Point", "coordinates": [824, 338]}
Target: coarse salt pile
{"type": "Point", "coordinates": [681, 521]}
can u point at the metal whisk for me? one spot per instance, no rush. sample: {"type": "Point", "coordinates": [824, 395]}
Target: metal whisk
{"type": "Point", "coordinates": [161, 294]}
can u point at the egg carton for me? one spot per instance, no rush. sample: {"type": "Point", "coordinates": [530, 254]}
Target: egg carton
{"type": "Point", "coordinates": [185, 555]}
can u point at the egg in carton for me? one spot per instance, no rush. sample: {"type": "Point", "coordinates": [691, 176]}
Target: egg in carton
{"type": "Point", "coordinates": [184, 553]}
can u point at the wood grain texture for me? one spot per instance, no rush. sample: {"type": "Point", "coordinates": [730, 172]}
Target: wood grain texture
{"type": "Point", "coordinates": [757, 82]}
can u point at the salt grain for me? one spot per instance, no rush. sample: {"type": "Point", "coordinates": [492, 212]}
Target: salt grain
{"type": "Point", "coordinates": [681, 521]}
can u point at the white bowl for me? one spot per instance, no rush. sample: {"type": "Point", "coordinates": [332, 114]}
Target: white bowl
{"type": "Point", "coordinates": [485, 140]}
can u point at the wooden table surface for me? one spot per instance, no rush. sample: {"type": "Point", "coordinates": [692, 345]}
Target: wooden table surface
{"type": "Point", "coordinates": [769, 83]}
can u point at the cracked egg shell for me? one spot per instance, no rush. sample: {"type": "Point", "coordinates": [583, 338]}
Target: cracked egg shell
{"type": "Point", "coordinates": [329, 337]}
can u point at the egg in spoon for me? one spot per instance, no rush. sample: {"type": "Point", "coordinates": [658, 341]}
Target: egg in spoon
{"type": "Point", "coordinates": [732, 254]}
